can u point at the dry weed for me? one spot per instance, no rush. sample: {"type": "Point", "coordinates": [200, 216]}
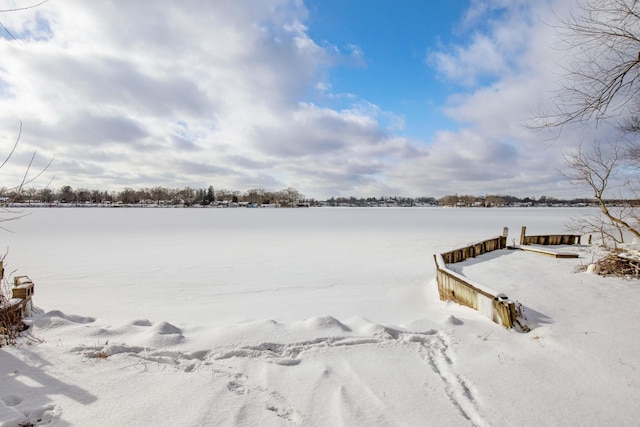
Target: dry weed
{"type": "Point", "coordinates": [613, 265]}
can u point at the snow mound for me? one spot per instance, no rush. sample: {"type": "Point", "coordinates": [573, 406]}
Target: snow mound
{"type": "Point", "coordinates": [165, 328]}
{"type": "Point", "coordinates": [453, 320]}
{"type": "Point", "coordinates": [141, 322]}
{"type": "Point", "coordinates": [383, 331]}
{"type": "Point", "coordinates": [56, 318]}
{"type": "Point", "coordinates": [325, 322]}
{"type": "Point", "coordinates": [163, 334]}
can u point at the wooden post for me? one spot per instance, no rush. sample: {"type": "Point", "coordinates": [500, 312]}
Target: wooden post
{"type": "Point", "coordinates": [523, 234]}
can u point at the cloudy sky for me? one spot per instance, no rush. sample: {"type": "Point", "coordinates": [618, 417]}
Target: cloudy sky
{"type": "Point", "coordinates": [331, 97]}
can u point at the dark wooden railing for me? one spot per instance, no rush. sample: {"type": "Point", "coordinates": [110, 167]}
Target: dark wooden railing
{"type": "Point", "coordinates": [549, 239]}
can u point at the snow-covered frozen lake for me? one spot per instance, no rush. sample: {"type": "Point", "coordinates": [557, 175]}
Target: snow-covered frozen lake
{"type": "Point", "coordinates": [207, 266]}
{"type": "Point", "coordinates": [309, 317]}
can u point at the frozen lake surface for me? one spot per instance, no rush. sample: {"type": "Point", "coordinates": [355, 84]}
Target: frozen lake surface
{"type": "Point", "coordinates": [201, 265]}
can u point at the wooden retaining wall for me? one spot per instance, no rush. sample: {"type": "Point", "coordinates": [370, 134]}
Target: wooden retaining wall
{"type": "Point", "coordinates": [549, 239]}
{"type": "Point", "coordinates": [22, 290]}
{"type": "Point", "coordinates": [20, 304]}
{"type": "Point", "coordinates": [472, 251]}
{"type": "Point", "coordinates": [455, 287]}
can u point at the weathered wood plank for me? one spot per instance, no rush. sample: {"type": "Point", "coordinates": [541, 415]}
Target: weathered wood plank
{"type": "Point", "coordinates": [20, 304]}
{"type": "Point", "coordinates": [550, 252]}
{"type": "Point", "coordinates": [472, 251]}
{"type": "Point", "coordinates": [549, 239]}
{"type": "Point", "coordinates": [454, 287]}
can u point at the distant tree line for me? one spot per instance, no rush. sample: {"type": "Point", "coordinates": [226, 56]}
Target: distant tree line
{"type": "Point", "coordinates": [506, 200]}
{"type": "Point", "coordinates": [454, 200]}
{"type": "Point", "coordinates": [376, 201]}
{"type": "Point", "coordinates": [158, 195]}
{"type": "Point", "coordinates": [288, 197]}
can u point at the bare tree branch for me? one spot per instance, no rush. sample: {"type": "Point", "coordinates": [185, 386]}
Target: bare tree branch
{"type": "Point", "coordinates": [595, 170]}
{"type": "Point", "coordinates": [23, 8]}
{"type": "Point", "coordinates": [17, 10]}
{"type": "Point", "coordinates": [16, 191]}
{"type": "Point", "coordinates": [602, 69]}
{"type": "Point", "coordinates": [13, 149]}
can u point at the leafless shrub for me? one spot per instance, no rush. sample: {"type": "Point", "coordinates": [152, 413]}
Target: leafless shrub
{"type": "Point", "coordinates": [10, 321]}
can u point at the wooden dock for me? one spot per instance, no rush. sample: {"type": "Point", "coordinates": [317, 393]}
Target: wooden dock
{"type": "Point", "coordinates": [549, 251]}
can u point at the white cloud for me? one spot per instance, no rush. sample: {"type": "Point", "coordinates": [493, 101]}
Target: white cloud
{"type": "Point", "coordinates": [467, 64]}
{"type": "Point", "coordinates": [183, 93]}
{"type": "Point", "coordinates": [197, 93]}
{"type": "Point", "coordinates": [512, 46]}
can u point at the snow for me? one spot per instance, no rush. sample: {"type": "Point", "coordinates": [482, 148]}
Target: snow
{"type": "Point", "coordinates": [312, 317]}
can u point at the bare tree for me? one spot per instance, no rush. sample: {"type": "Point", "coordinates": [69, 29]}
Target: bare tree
{"type": "Point", "coordinates": [9, 195]}
{"type": "Point", "coordinates": [288, 197]}
{"type": "Point", "coordinates": [492, 200]}
{"type": "Point", "coordinates": [10, 321]}
{"type": "Point", "coordinates": [599, 170]}
{"type": "Point", "coordinates": [601, 41]}
{"type": "Point", "coordinates": [10, 324]}
{"type": "Point", "coordinates": [449, 200]}
{"type": "Point", "coordinates": [159, 194]}
{"type": "Point", "coordinates": [254, 195]}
